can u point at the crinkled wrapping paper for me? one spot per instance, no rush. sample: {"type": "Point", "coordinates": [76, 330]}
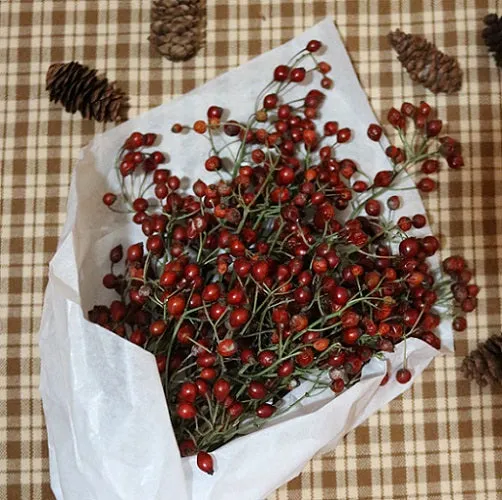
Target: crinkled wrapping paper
{"type": "Point", "coordinates": [110, 436]}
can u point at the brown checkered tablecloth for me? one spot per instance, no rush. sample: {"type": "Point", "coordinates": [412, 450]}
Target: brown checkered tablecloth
{"type": "Point", "coordinates": [442, 439]}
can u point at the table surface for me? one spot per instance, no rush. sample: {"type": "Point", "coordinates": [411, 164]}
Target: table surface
{"type": "Point", "coordinates": [443, 438]}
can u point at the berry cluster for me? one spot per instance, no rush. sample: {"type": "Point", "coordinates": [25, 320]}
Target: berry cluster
{"type": "Point", "coordinates": [291, 267]}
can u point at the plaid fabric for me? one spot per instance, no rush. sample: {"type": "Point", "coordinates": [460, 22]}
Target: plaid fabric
{"type": "Point", "coordinates": [442, 439]}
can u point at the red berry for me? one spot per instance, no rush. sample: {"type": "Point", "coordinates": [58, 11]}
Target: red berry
{"type": "Point", "coordinates": [468, 304]}
{"type": "Point", "coordinates": [281, 73]}
{"type": "Point", "coordinates": [200, 126]}
{"type": "Point", "coordinates": [242, 267]}
{"type": "Point", "coordinates": [339, 295]}
{"type": "Point", "coordinates": [337, 385]}
{"type": "Point", "coordinates": [199, 188]}
{"type": "Point", "coordinates": [360, 186]}
{"type": "Point", "coordinates": [351, 335]}
{"type": "Point", "coordinates": [455, 161]}
{"type": "Point", "coordinates": [374, 132]}
{"type": "Point", "coordinates": [404, 223]}
{"type": "Point", "coordinates": [137, 337]}
{"type": "Point", "coordinates": [247, 356]}
{"type": "Point", "coordinates": [208, 374]}
{"type": "Point", "coordinates": [109, 281]}
{"type": "Point", "coordinates": [305, 357]}
{"type": "Point", "coordinates": [185, 332]}
{"type": "Point", "coordinates": [426, 185]}
{"type": "Point", "coordinates": [324, 67]}
{"type": "Point", "coordinates": [297, 75]}
{"type": "Point", "coordinates": [430, 245]}
{"type": "Point", "coordinates": [205, 462]}
{"type": "Point", "coordinates": [326, 83]}
{"type": "Point", "coordinates": [265, 410]}
{"type": "Point", "coordinates": [161, 362]}
{"type": "Point", "coordinates": [267, 358]}
{"type": "Point", "coordinates": [424, 109]}
{"type": "Point", "coordinates": [280, 316]}
{"type": "Point", "coordinates": [160, 176]}
{"type": "Point", "coordinates": [214, 112]}
{"type": "Point", "coordinates": [186, 411]}
{"type": "Point", "coordinates": [239, 317]}
{"type": "Point", "coordinates": [310, 138]}
{"type": "Point", "coordinates": [420, 121]}
{"type": "Point", "coordinates": [227, 348]}
{"type": "Point", "coordinates": [187, 392]}
{"type": "Point", "coordinates": [419, 221]}
{"type": "Point", "coordinates": [409, 247]}
{"type": "Point", "coordinates": [336, 359]}
{"type": "Point", "coordinates": [385, 379]}
{"type": "Point", "coordinates": [394, 117]}
{"type": "Point", "coordinates": [216, 311]}
{"type": "Point", "coordinates": [373, 208]}
{"type": "Point", "coordinates": [158, 327]}
{"type": "Point", "coordinates": [320, 265]}
{"type": "Point", "coordinates": [330, 128]}
{"type": "Point", "coordinates": [158, 157]}
{"type": "Point", "coordinates": [149, 139]}
{"type": "Point", "coordinates": [155, 244]}
{"type": "Point", "coordinates": [213, 163]}
{"type": "Point", "coordinates": [343, 135]}
{"type": "Point", "coordinates": [260, 270]}
{"type": "Point", "coordinates": [235, 296]}
{"type": "Point", "coordinates": [211, 292]}
{"type": "Point", "coordinates": [286, 368]}
{"type": "Point", "coordinates": [135, 140]}
{"type": "Point", "coordinates": [314, 45]}
{"type": "Point", "coordinates": [285, 176]}
{"type": "Point", "coordinates": [176, 305]}
{"type": "Point", "coordinates": [221, 389]}
{"type": "Point", "coordinates": [109, 199]}
{"type": "Point", "coordinates": [303, 295]}
{"type": "Point", "coordinates": [430, 166]}
{"type": "Point", "coordinates": [270, 101]}
{"type": "Point", "coordinates": [408, 109]}
{"type": "Point", "coordinates": [135, 252]}
{"type": "Point", "coordinates": [459, 324]}
{"type": "Point", "coordinates": [232, 128]}
{"type": "Point", "coordinates": [433, 128]}
{"type": "Point", "coordinates": [393, 202]}
{"type": "Point", "coordinates": [256, 390]}
{"type": "Point", "coordinates": [383, 178]}
{"type": "Point", "coordinates": [235, 410]}
{"type": "Point", "coordinates": [403, 376]}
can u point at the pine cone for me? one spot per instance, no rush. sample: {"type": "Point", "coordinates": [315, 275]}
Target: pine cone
{"type": "Point", "coordinates": [177, 28]}
{"type": "Point", "coordinates": [426, 64]}
{"type": "Point", "coordinates": [484, 364]}
{"type": "Point", "coordinates": [78, 88]}
{"type": "Point", "coordinates": [492, 35]}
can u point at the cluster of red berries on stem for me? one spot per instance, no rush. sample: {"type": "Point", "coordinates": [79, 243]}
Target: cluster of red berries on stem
{"type": "Point", "coordinates": [283, 270]}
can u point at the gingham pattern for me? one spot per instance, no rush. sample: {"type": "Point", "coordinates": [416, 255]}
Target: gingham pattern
{"type": "Point", "coordinates": [442, 439]}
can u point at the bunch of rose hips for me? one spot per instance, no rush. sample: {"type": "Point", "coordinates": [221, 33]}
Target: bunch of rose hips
{"type": "Point", "coordinates": [282, 271]}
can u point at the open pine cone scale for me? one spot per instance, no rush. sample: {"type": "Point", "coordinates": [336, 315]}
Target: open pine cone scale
{"type": "Point", "coordinates": [426, 64]}
{"type": "Point", "coordinates": [177, 27]}
{"type": "Point", "coordinates": [484, 364]}
{"type": "Point", "coordinates": [79, 88]}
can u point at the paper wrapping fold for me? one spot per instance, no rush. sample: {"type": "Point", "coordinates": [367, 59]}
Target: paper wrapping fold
{"type": "Point", "coordinates": [109, 432]}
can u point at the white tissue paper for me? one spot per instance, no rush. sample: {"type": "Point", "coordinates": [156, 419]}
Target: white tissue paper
{"type": "Point", "coordinates": [109, 431]}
